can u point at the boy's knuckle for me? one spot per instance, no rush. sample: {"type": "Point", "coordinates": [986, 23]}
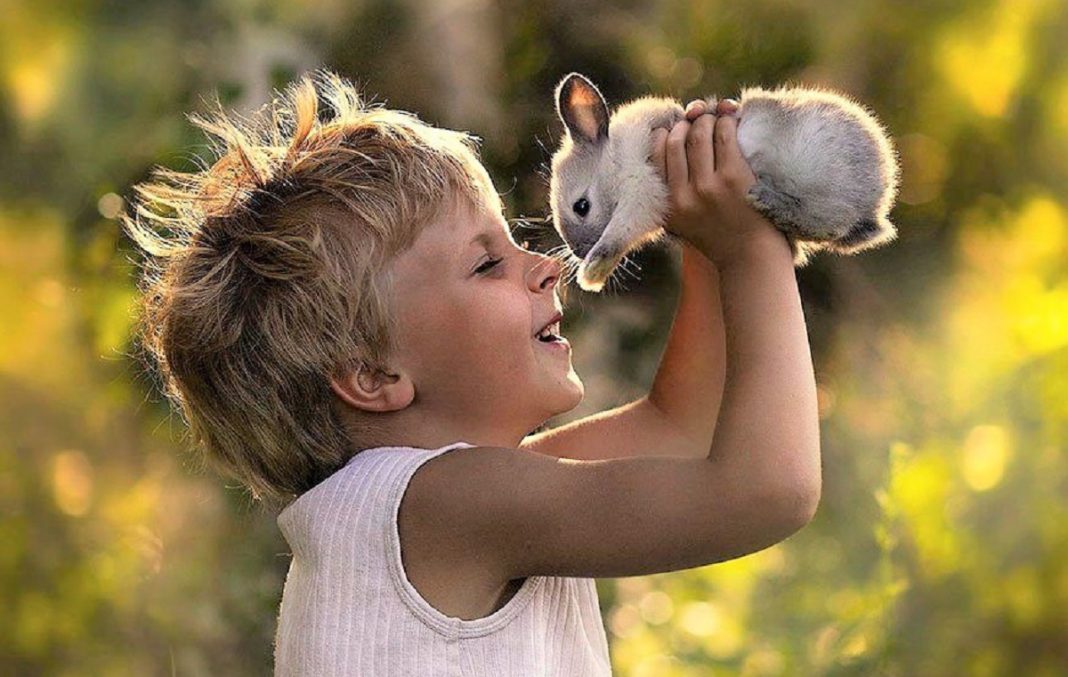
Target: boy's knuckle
{"type": "Point", "coordinates": [707, 190]}
{"type": "Point", "coordinates": [734, 180]}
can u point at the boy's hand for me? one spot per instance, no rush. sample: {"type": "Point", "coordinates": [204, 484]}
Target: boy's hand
{"type": "Point", "coordinates": [707, 179]}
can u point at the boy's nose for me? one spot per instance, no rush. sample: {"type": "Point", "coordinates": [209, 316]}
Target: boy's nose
{"type": "Point", "coordinates": [545, 273]}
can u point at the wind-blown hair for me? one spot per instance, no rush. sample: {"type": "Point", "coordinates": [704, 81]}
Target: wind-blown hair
{"type": "Point", "coordinates": [265, 273]}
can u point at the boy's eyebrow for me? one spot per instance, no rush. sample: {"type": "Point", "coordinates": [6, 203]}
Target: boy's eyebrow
{"type": "Point", "coordinates": [486, 237]}
{"type": "Point", "coordinates": [482, 238]}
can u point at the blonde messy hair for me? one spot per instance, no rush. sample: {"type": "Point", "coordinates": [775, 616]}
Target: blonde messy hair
{"type": "Point", "coordinates": [265, 271]}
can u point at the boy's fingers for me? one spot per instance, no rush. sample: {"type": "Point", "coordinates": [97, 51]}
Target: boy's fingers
{"type": "Point", "coordinates": [728, 155]}
{"type": "Point", "coordinates": [657, 144]}
{"type": "Point", "coordinates": [726, 106]}
{"type": "Point", "coordinates": [696, 109]}
{"type": "Point", "coordinates": [678, 174]}
{"type": "Point", "coordinates": [699, 150]}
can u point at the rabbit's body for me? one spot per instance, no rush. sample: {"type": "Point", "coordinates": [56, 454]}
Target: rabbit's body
{"type": "Point", "coordinates": [826, 172]}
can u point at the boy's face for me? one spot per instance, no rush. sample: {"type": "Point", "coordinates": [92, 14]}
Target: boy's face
{"type": "Point", "coordinates": [467, 326]}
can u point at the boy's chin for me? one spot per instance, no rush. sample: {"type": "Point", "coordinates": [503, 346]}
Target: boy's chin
{"type": "Point", "coordinates": [576, 391]}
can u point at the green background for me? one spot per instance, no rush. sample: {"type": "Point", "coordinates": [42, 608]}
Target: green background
{"type": "Point", "coordinates": [941, 543]}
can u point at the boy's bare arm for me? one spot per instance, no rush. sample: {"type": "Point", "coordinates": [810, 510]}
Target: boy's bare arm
{"type": "Point", "coordinates": [768, 420]}
{"type": "Point", "coordinates": [768, 417]}
{"type": "Point", "coordinates": [688, 387]}
{"type": "Point", "coordinates": [633, 429]}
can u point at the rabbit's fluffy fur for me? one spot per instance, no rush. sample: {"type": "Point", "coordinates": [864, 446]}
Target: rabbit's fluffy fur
{"type": "Point", "coordinates": [826, 172]}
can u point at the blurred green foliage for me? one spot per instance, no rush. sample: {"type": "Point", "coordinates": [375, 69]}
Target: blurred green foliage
{"type": "Point", "coordinates": [941, 544]}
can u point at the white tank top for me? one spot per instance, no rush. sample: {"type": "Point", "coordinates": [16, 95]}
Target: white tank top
{"type": "Point", "coordinates": [348, 607]}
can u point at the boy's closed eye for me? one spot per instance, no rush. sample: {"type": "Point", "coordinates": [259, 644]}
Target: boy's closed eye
{"type": "Point", "coordinates": [492, 262]}
{"type": "Point", "coordinates": [485, 267]}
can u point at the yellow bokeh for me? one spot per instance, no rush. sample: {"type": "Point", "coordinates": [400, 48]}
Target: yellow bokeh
{"type": "Point", "coordinates": [1009, 302]}
{"type": "Point", "coordinates": [1057, 106]}
{"type": "Point", "coordinates": [983, 57]}
{"type": "Point", "coordinates": [919, 487]}
{"type": "Point", "coordinates": [656, 607]}
{"type": "Point", "coordinates": [701, 618]}
{"type": "Point", "coordinates": [624, 621]}
{"type": "Point", "coordinates": [763, 660]}
{"type": "Point", "coordinates": [984, 457]}
{"type": "Point", "coordinates": [72, 482]}
{"type": "Point", "coordinates": [947, 347]}
{"type": "Point", "coordinates": [35, 57]}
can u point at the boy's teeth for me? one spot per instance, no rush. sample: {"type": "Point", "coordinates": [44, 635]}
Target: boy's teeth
{"type": "Point", "coordinates": [552, 331]}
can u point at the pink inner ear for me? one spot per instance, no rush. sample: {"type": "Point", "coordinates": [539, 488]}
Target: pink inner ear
{"type": "Point", "coordinates": [586, 120]}
{"type": "Point", "coordinates": [584, 97]}
{"type": "Point", "coordinates": [583, 102]}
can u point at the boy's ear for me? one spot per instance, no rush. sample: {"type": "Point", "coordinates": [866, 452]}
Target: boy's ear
{"type": "Point", "coordinates": [582, 108]}
{"type": "Point", "coordinates": [374, 390]}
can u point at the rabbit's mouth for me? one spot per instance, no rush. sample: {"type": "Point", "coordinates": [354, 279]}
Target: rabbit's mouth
{"type": "Point", "coordinates": [581, 248]}
{"type": "Point", "coordinates": [597, 267]}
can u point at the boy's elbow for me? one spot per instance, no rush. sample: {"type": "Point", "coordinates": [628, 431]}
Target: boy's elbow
{"type": "Point", "coordinates": [799, 508]}
{"type": "Point", "coordinates": [809, 502]}
{"type": "Point", "coordinates": [802, 494]}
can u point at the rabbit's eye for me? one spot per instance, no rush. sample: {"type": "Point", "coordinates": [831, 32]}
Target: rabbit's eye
{"type": "Point", "coordinates": [582, 206]}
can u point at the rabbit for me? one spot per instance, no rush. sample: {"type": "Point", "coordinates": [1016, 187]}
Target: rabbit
{"type": "Point", "coordinates": [827, 173]}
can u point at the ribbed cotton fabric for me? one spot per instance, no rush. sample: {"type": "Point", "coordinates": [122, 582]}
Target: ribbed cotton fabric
{"type": "Point", "coordinates": [348, 607]}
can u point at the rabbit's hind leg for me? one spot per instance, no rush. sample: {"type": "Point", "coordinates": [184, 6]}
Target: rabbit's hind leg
{"type": "Point", "coordinates": [788, 214]}
{"type": "Point", "coordinates": [786, 211]}
{"type": "Point", "coordinates": [783, 211]}
{"type": "Point", "coordinates": [865, 234]}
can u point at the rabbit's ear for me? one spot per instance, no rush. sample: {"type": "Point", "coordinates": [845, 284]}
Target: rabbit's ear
{"type": "Point", "coordinates": [582, 108]}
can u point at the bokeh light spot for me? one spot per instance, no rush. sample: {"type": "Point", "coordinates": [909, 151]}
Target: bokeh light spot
{"type": "Point", "coordinates": [656, 607]}
{"type": "Point", "coordinates": [986, 453]}
{"type": "Point", "coordinates": [109, 205]}
{"type": "Point", "coordinates": [72, 482]}
{"type": "Point", "coordinates": [700, 618]}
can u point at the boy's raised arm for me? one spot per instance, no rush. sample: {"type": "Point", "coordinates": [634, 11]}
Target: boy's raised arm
{"type": "Point", "coordinates": [768, 424]}
{"type": "Point", "coordinates": [688, 387]}
{"type": "Point", "coordinates": [768, 420]}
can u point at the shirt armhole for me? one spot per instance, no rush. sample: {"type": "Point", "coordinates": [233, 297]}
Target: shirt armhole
{"type": "Point", "coordinates": [448, 626]}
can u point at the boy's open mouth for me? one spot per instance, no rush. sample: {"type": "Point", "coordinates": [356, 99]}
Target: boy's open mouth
{"type": "Point", "coordinates": [550, 333]}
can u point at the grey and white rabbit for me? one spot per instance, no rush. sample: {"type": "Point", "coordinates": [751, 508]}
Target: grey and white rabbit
{"type": "Point", "coordinates": [826, 172]}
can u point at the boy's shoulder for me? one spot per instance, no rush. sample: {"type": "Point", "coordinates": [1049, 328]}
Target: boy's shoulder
{"type": "Point", "coordinates": [439, 560]}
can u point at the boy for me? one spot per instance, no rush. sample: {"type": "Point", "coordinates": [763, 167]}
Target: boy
{"type": "Point", "coordinates": [349, 329]}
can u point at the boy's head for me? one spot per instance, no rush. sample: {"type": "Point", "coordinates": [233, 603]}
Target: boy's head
{"type": "Point", "coordinates": [308, 295]}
